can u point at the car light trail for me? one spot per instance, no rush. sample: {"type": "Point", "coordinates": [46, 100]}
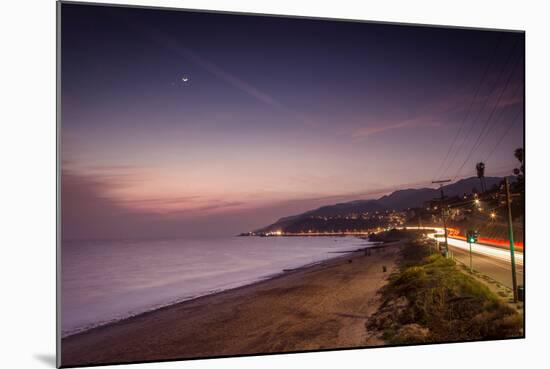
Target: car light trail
{"type": "Point", "coordinates": [494, 252]}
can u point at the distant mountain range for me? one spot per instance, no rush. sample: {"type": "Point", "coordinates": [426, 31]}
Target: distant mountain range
{"type": "Point", "coordinates": [398, 200]}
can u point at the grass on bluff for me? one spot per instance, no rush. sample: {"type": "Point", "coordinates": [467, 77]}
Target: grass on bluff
{"type": "Point", "coordinates": [430, 300]}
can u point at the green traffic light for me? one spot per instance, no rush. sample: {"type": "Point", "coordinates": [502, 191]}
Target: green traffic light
{"type": "Point", "coordinates": [471, 236]}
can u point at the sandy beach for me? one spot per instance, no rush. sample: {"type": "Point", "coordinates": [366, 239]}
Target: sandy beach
{"type": "Point", "coordinates": [317, 307]}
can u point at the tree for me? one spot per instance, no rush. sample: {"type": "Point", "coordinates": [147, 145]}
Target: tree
{"type": "Point", "coordinates": [480, 167]}
{"type": "Point", "coordinates": [519, 172]}
{"type": "Point", "coordinates": [518, 153]}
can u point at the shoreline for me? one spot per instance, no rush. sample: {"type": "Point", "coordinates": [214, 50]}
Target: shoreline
{"type": "Point", "coordinates": [118, 341]}
{"type": "Point", "coordinates": [266, 278]}
{"type": "Point", "coordinates": [263, 278]}
{"type": "Point", "coordinates": [130, 312]}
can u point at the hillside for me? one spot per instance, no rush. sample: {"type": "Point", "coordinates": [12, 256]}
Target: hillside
{"type": "Point", "coordinates": [347, 215]}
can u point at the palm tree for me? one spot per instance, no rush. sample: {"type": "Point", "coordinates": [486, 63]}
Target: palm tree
{"type": "Point", "coordinates": [518, 153]}
{"type": "Point", "coordinates": [520, 172]}
{"type": "Point", "coordinates": [480, 167]}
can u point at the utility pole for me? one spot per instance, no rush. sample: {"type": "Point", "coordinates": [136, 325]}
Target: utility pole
{"type": "Point", "coordinates": [443, 213]}
{"type": "Point", "coordinates": [511, 237]}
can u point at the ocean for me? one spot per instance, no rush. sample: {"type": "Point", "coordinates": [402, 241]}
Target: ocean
{"type": "Point", "coordinates": [103, 282]}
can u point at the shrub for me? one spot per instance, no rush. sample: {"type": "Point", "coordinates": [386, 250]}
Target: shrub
{"type": "Point", "coordinates": [429, 299]}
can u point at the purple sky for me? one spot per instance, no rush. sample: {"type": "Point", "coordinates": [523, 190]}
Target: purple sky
{"type": "Point", "coordinates": [278, 116]}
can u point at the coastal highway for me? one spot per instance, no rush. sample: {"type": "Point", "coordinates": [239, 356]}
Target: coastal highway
{"type": "Point", "coordinates": [491, 261]}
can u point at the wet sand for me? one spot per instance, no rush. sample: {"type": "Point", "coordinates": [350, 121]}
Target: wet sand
{"type": "Point", "coordinates": [318, 307]}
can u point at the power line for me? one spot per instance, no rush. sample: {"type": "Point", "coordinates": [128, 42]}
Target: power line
{"type": "Point", "coordinates": [488, 125]}
{"type": "Point", "coordinates": [482, 135]}
{"type": "Point", "coordinates": [465, 138]}
{"type": "Point", "coordinates": [481, 82]}
{"type": "Point", "coordinates": [499, 141]}
{"type": "Point", "coordinates": [503, 170]}
{"type": "Point", "coordinates": [478, 142]}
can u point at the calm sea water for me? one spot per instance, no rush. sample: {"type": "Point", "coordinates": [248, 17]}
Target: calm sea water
{"type": "Point", "coordinates": [107, 281]}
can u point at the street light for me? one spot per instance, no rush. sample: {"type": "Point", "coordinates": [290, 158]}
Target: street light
{"type": "Point", "coordinates": [493, 215]}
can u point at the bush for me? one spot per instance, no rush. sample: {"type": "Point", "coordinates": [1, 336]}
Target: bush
{"type": "Point", "coordinates": [430, 300]}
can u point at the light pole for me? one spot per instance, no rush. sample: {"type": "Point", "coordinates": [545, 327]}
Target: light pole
{"type": "Point", "coordinates": [511, 237]}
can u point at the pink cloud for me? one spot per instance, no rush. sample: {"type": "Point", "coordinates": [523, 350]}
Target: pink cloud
{"type": "Point", "coordinates": [364, 132]}
{"type": "Point", "coordinates": [89, 210]}
{"type": "Point", "coordinates": [435, 114]}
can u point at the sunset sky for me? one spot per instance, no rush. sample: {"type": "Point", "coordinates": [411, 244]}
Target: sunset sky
{"type": "Point", "coordinates": [275, 116]}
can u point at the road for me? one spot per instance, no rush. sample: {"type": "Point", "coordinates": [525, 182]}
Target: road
{"type": "Point", "coordinates": [492, 261]}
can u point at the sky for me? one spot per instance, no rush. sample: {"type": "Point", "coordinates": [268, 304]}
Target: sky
{"type": "Point", "coordinates": [191, 124]}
